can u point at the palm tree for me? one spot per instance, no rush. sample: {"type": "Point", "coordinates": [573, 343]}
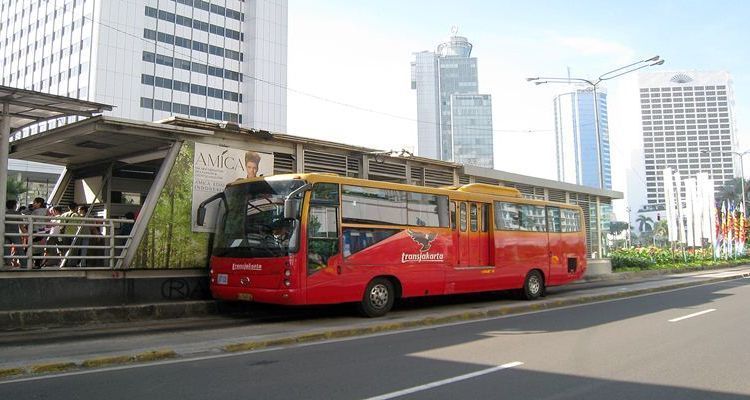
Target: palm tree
{"type": "Point", "coordinates": [644, 223]}
{"type": "Point", "coordinates": [732, 190]}
{"type": "Point", "coordinates": [661, 230]}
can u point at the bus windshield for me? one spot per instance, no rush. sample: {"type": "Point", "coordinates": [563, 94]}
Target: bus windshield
{"type": "Point", "coordinates": [251, 221]}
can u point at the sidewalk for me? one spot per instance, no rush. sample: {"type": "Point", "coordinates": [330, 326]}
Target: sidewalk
{"type": "Point", "coordinates": [91, 346]}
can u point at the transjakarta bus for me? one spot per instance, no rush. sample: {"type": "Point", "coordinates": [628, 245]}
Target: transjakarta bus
{"type": "Point", "coordinates": [323, 239]}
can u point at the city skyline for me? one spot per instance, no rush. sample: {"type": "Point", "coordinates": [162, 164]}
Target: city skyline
{"type": "Point", "coordinates": [531, 41]}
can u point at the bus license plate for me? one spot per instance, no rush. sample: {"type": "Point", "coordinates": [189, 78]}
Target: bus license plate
{"type": "Point", "coordinates": [222, 279]}
{"type": "Point", "coordinates": [245, 296]}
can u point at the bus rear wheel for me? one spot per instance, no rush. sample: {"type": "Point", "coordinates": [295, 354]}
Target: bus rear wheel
{"type": "Point", "coordinates": [533, 286]}
{"type": "Point", "coordinates": [378, 298]}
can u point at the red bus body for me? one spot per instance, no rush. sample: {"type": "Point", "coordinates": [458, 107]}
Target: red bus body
{"type": "Point", "coordinates": [420, 261]}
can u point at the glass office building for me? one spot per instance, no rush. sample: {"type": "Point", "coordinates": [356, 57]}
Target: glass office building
{"type": "Point", "coordinates": [577, 148]}
{"type": "Point", "coordinates": [455, 121]}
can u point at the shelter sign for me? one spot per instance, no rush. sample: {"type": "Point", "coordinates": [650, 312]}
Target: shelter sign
{"type": "Point", "coordinates": [214, 167]}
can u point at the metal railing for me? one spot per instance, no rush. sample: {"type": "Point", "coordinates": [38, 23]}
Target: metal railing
{"type": "Point", "coordinates": [36, 241]}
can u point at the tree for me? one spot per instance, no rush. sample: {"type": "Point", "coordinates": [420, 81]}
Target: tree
{"type": "Point", "coordinates": [732, 190]}
{"type": "Point", "coordinates": [617, 227]}
{"type": "Point", "coordinates": [661, 231]}
{"type": "Point", "coordinates": [14, 188]}
{"type": "Point", "coordinates": [644, 223]}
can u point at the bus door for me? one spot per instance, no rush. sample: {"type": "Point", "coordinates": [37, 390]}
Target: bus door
{"type": "Point", "coordinates": [557, 271]}
{"type": "Point", "coordinates": [324, 257]}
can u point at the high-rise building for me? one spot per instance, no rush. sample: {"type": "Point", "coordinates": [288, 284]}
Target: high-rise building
{"type": "Point", "coordinates": [454, 120]}
{"type": "Point", "coordinates": [220, 60]}
{"type": "Point", "coordinates": [688, 125]}
{"type": "Point", "coordinates": [577, 147]}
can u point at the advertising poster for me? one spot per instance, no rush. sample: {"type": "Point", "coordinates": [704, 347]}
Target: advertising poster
{"type": "Point", "coordinates": [214, 167]}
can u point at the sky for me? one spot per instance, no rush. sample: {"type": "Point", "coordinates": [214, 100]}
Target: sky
{"type": "Point", "coordinates": [349, 66]}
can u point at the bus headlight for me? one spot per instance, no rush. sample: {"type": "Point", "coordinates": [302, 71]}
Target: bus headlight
{"type": "Point", "coordinates": [287, 282]}
{"type": "Point", "coordinates": [287, 272]}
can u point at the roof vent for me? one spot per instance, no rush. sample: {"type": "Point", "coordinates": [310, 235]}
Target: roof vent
{"type": "Point", "coordinates": [681, 78]}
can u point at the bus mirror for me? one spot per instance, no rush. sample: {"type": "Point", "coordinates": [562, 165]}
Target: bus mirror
{"type": "Point", "coordinates": [291, 208]}
{"type": "Point", "coordinates": [200, 218]}
{"type": "Point", "coordinates": [293, 201]}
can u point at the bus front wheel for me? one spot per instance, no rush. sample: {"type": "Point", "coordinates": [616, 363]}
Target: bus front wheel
{"type": "Point", "coordinates": [533, 286]}
{"type": "Point", "coordinates": [378, 298]}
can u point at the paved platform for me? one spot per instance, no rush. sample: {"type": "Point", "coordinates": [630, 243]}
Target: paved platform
{"type": "Point", "coordinates": [92, 345]}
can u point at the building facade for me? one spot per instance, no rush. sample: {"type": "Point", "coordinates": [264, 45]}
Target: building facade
{"type": "Point", "coordinates": [454, 120]}
{"type": "Point", "coordinates": [212, 60]}
{"type": "Point", "coordinates": [688, 125]}
{"type": "Point", "coordinates": [577, 149]}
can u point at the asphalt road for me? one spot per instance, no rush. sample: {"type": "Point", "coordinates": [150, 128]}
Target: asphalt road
{"type": "Point", "coordinates": [684, 344]}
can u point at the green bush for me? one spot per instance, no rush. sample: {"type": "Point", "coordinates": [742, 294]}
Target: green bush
{"type": "Point", "coordinates": [641, 258]}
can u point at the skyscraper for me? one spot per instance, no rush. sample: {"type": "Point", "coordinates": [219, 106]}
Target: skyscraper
{"type": "Point", "coordinates": [455, 121]}
{"type": "Point", "coordinates": [688, 124]}
{"type": "Point", "coordinates": [219, 60]}
{"type": "Point", "coordinates": [575, 138]}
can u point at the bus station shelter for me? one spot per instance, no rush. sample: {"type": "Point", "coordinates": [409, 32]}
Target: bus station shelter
{"type": "Point", "coordinates": [154, 170]}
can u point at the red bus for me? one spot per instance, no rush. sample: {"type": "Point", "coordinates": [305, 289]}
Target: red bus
{"type": "Point", "coordinates": [323, 239]}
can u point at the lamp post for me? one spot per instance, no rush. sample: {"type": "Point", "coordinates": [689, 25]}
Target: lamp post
{"type": "Point", "coordinates": [741, 156]}
{"type": "Point", "coordinates": [603, 77]}
{"type": "Point", "coordinates": [742, 178]}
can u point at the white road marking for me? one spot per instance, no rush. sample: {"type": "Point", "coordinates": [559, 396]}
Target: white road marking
{"type": "Point", "coordinates": [692, 315]}
{"type": "Point", "coordinates": [444, 382]}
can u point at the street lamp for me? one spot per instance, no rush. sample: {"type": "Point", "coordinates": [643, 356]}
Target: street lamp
{"type": "Point", "coordinates": [741, 156]}
{"type": "Point", "coordinates": [655, 60]}
{"type": "Point", "coordinates": [742, 178]}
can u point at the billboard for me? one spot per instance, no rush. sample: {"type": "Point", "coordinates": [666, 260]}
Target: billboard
{"type": "Point", "coordinates": [214, 167]}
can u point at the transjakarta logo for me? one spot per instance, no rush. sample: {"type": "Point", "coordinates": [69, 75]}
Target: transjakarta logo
{"type": "Point", "coordinates": [247, 267]}
{"type": "Point", "coordinates": [425, 241]}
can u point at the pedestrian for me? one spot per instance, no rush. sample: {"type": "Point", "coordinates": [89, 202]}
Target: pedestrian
{"type": "Point", "coordinates": [38, 236]}
{"type": "Point", "coordinates": [54, 240]}
{"type": "Point", "coordinates": [86, 232]}
{"type": "Point", "coordinates": [14, 245]}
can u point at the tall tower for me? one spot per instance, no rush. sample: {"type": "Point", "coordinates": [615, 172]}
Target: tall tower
{"type": "Point", "coordinates": [220, 60]}
{"type": "Point", "coordinates": [688, 124]}
{"type": "Point", "coordinates": [454, 120]}
{"type": "Point", "coordinates": [575, 138]}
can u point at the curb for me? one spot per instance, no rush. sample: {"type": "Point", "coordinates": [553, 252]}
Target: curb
{"type": "Point", "coordinates": [27, 319]}
{"type": "Point", "coordinates": [312, 337]}
{"type": "Point", "coordinates": [99, 362]}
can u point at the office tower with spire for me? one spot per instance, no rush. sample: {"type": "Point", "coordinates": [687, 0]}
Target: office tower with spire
{"type": "Point", "coordinates": [454, 119]}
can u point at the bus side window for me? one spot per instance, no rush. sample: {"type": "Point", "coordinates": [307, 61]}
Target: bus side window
{"type": "Point", "coordinates": [485, 217]}
{"type": "Point", "coordinates": [453, 215]}
{"type": "Point", "coordinates": [462, 217]}
{"type": "Point", "coordinates": [322, 226]}
{"type": "Point", "coordinates": [474, 215]}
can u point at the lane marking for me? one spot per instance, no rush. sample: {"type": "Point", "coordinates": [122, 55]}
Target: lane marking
{"type": "Point", "coordinates": [692, 315]}
{"type": "Point", "coordinates": [444, 382]}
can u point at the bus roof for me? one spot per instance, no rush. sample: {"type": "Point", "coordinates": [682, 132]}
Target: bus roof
{"type": "Point", "coordinates": [464, 191]}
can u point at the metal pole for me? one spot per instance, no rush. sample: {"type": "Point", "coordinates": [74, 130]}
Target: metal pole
{"type": "Point", "coordinates": [4, 148]}
{"type": "Point", "coordinates": [742, 183]}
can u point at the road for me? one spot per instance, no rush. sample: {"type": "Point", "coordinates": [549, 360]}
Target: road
{"type": "Point", "coordinates": [684, 344]}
